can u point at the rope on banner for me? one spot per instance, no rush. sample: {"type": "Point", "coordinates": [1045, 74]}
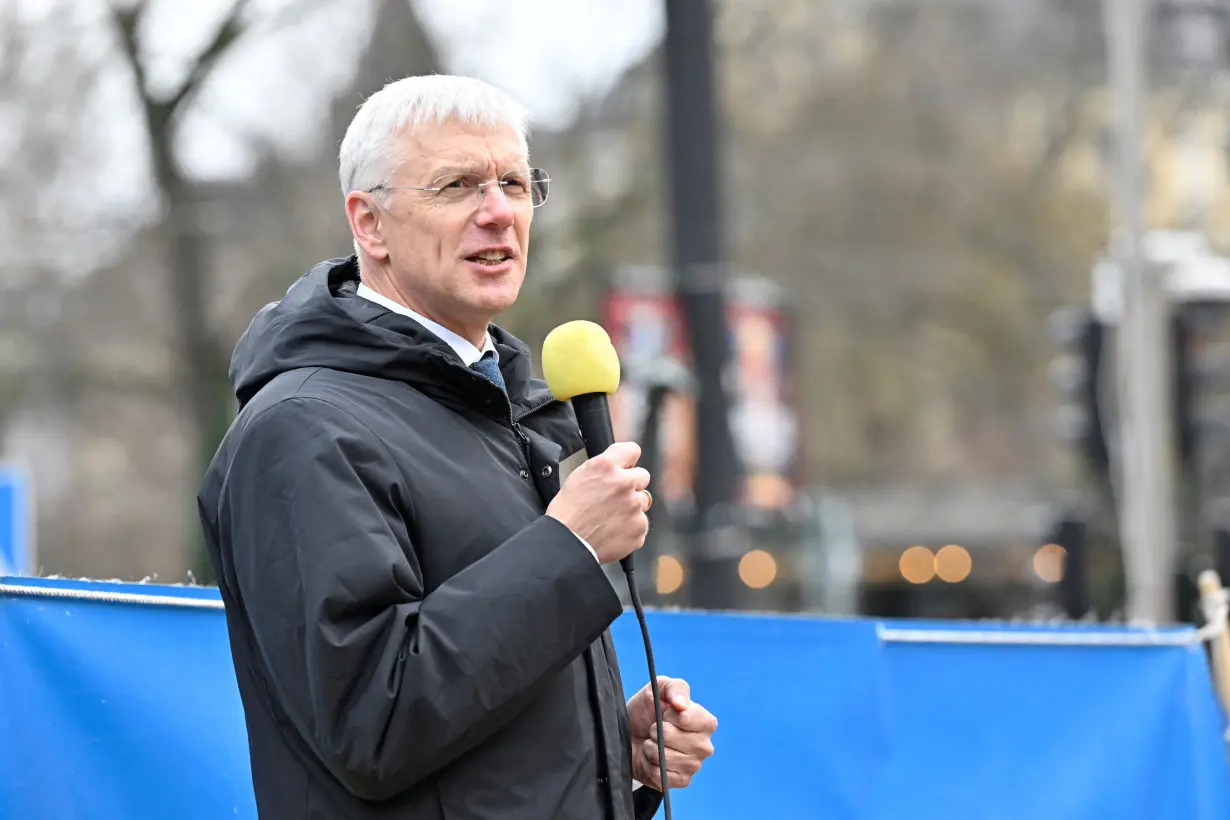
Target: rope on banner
{"type": "Point", "coordinates": [108, 597]}
{"type": "Point", "coordinates": [1049, 638]}
{"type": "Point", "coordinates": [1215, 609]}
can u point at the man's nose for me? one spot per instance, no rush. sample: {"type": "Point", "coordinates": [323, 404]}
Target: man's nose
{"type": "Point", "coordinates": [494, 209]}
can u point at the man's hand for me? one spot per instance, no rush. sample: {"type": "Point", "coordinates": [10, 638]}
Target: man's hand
{"type": "Point", "coordinates": [688, 736]}
{"type": "Point", "coordinates": [604, 502]}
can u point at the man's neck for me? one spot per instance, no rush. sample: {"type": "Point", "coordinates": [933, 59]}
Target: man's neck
{"type": "Point", "coordinates": [463, 347]}
{"type": "Point", "coordinates": [383, 287]}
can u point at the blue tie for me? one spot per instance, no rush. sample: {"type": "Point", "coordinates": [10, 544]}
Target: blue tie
{"type": "Point", "coordinates": [488, 367]}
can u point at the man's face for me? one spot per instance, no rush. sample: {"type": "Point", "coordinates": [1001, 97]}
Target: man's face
{"type": "Point", "coordinates": [455, 257]}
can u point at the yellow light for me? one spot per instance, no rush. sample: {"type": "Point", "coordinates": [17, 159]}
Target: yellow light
{"type": "Point", "coordinates": [953, 564]}
{"type": "Point", "coordinates": [670, 574]}
{"type": "Point", "coordinates": [917, 565]}
{"type": "Point", "coordinates": [757, 569]}
{"type": "Point", "coordinates": [1049, 562]}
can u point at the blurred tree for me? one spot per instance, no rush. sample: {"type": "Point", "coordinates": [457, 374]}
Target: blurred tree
{"type": "Point", "coordinates": [920, 218]}
{"type": "Point", "coordinates": [201, 357]}
{"type": "Point", "coordinates": [909, 172]}
{"type": "Point", "coordinates": [37, 258]}
{"type": "Point", "coordinates": [118, 315]}
{"type": "Point", "coordinates": [202, 339]}
{"type": "Point", "coordinates": [44, 229]}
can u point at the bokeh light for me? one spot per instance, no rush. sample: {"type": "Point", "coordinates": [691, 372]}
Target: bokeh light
{"type": "Point", "coordinates": [669, 574]}
{"type": "Point", "coordinates": [917, 565]}
{"type": "Point", "coordinates": [757, 569]}
{"type": "Point", "coordinates": [1049, 562]}
{"type": "Point", "coordinates": [953, 563]}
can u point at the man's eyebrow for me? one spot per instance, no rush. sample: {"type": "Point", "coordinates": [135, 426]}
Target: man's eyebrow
{"type": "Point", "coordinates": [477, 168]}
{"type": "Point", "coordinates": [448, 170]}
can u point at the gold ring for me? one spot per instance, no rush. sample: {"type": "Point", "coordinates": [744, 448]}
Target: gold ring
{"type": "Point", "coordinates": [649, 499]}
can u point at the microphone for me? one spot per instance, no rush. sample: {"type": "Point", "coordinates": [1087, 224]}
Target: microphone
{"type": "Point", "coordinates": [581, 366]}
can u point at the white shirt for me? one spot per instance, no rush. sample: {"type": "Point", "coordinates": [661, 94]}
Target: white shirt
{"type": "Point", "coordinates": [465, 348]}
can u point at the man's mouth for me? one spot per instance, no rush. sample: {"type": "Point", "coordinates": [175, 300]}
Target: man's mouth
{"type": "Point", "coordinates": [490, 258]}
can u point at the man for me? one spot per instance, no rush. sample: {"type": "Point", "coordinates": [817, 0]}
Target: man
{"type": "Point", "coordinates": [417, 610]}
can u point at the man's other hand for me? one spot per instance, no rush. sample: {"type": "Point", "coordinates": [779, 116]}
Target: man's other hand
{"type": "Point", "coordinates": [688, 737]}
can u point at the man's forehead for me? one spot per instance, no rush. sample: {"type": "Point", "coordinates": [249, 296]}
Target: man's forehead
{"type": "Point", "coordinates": [460, 147]}
{"type": "Point", "coordinates": [474, 162]}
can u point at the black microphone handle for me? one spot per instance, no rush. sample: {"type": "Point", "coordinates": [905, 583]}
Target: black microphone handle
{"type": "Point", "coordinates": [594, 418]}
{"type": "Point", "coordinates": [593, 412]}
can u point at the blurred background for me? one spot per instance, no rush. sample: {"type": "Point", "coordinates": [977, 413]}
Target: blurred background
{"type": "Point", "coordinates": [861, 260]}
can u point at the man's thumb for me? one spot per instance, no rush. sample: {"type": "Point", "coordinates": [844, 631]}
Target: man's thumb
{"type": "Point", "coordinates": [676, 693]}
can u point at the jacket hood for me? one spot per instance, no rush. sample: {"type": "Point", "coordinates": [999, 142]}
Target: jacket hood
{"type": "Point", "coordinates": [322, 322]}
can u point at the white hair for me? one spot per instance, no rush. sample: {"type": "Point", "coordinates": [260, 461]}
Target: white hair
{"type": "Point", "coordinates": [370, 153]}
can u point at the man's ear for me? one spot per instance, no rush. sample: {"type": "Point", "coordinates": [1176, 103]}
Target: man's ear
{"type": "Point", "coordinates": [364, 217]}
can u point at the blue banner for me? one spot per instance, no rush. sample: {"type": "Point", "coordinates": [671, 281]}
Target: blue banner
{"type": "Point", "coordinates": [126, 708]}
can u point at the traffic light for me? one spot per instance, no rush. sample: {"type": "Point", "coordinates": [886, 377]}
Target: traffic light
{"type": "Point", "coordinates": [1201, 376]}
{"type": "Point", "coordinates": [1077, 372]}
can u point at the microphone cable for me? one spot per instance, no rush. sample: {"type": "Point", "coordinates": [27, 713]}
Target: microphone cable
{"type": "Point", "coordinates": [580, 364]}
{"type": "Point", "coordinates": [635, 594]}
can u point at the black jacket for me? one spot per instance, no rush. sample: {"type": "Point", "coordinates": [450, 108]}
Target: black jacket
{"type": "Point", "coordinates": [412, 637]}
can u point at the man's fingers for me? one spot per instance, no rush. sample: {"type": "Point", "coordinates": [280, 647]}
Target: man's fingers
{"type": "Point", "coordinates": [692, 744]}
{"type": "Point", "coordinates": [695, 718]}
{"type": "Point", "coordinates": [677, 763]}
{"type": "Point", "coordinates": [640, 478]}
{"type": "Point", "coordinates": [625, 453]}
{"type": "Point", "coordinates": [677, 693]}
{"type": "Point", "coordinates": [676, 780]}
{"type": "Point", "coordinates": [685, 735]}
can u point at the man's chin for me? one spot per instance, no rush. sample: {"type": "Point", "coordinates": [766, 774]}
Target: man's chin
{"type": "Point", "coordinates": [494, 298]}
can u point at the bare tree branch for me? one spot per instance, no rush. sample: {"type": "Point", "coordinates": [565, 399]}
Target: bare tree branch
{"type": "Point", "coordinates": [127, 21]}
{"type": "Point", "coordinates": [160, 112]}
{"type": "Point", "coordinates": [228, 32]}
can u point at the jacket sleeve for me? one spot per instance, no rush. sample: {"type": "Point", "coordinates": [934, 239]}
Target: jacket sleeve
{"type": "Point", "coordinates": [645, 802]}
{"type": "Point", "coordinates": [384, 682]}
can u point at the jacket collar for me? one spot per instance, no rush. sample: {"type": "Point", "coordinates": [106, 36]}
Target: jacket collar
{"type": "Point", "coordinates": [439, 371]}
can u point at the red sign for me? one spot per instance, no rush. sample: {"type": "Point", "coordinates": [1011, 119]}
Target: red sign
{"type": "Point", "coordinates": [647, 325]}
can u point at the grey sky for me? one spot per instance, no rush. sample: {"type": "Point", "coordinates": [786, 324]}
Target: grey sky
{"type": "Point", "coordinates": [548, 53]}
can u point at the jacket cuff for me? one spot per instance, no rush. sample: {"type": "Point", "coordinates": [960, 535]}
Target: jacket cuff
{"type": "Point", "coordinates": [645, 802]}
{"type": "Point", "coordinates": [592, 551]}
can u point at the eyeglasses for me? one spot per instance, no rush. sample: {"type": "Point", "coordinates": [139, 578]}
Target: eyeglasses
{"type": "Point", "coordinates": [523, 186]}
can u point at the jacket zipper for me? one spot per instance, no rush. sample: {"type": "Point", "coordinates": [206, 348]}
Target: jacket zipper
{"type": "Point", "coordinates": [525, 443]}
{"type": "Point", "coordinates": [515, 420]}
{"type": "Point", "coordinates": [521, 436]}
{"type": "Point", "coordinates": [533, 410]}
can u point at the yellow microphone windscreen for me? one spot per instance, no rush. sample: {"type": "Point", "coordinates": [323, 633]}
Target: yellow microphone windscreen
{"type": "Point", "coordinates": [578, 358]}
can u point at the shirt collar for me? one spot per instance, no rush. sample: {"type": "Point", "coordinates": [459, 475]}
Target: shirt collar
{"type": "Point", "coordinates": [464, 347]}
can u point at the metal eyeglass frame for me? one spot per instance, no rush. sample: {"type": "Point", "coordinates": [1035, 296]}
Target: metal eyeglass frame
{"type": "Point", "coordinates": [480, 187]}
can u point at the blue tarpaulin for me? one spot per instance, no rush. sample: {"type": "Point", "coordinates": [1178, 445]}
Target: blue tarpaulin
{"type": "Point", "coordinates": [117, 710]}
